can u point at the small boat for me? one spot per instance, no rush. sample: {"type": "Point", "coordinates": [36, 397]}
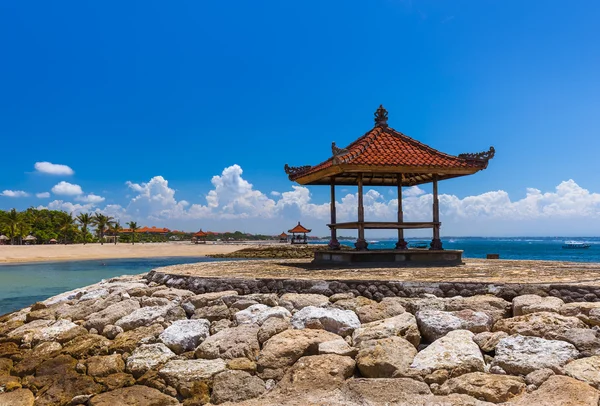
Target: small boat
{"type": "Point", "coordinates": [575, 245]}
{"type": "Point", "coordinates": [418, 244]}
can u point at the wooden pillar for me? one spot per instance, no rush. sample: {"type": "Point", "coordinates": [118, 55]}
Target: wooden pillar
{"type": "Point", "coordinates": [361, 243]}
{"type": "Point", "coordinates": [436, 243]}
{"type": "Point", "coordinates": [401, 244]}
{"type": "Point", "coordinates": [333, 242]}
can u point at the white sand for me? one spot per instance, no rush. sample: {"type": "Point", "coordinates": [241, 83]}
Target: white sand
{"type": "Point", "coordinates": [36, 253]}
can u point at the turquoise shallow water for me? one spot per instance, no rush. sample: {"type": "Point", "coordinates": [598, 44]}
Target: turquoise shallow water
{"type": "Point", "coordinates": [24, 284]}
{"type": "Point", "coordinates": [533, 248]}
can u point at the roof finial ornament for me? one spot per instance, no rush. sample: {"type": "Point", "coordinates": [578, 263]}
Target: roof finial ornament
{"type": "Point", "coordinates": [381, 116]}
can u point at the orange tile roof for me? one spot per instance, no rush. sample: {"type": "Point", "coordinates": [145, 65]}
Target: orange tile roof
{"type": "Point", "coordinates": [299, 229]}
{"type": "Point", "coordinates": [153, 230]}
{"type": "Point", "coordinates": [383, 146]}
{"type": "Point", "coordinates": [283, 235]}
{"type": "Point", "coordinates": [200, 234]}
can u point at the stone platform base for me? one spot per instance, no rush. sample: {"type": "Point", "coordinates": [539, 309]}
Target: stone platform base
{"type": "Point", "coordinates": [414, 257]}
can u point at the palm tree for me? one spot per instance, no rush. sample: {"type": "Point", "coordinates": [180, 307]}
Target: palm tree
{"type": "Point", "coordinates": [11, 221]}
{"type": "Point", "coordinates": [114, 229]}
{"type": "Point", "coordinates": [133, 227]}
{"type": "Point", "coordinates": [84, 220]}
{"type": "Point", "coordinates": [66, 225]}
{"type": "Point", "coordinates": [23, 226]}
{"type": "Point", "coordinates": [102, 222]}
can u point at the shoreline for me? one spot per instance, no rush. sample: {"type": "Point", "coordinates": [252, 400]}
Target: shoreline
{"type": "Point", "coordinates": [23, 254]}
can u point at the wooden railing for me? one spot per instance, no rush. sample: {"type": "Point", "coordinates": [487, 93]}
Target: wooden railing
{"type": "Point", "coordinates": [383, 225]}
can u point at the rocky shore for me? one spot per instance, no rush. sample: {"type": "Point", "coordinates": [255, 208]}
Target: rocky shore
{"type": "Point", "coordinates": [133, 341]}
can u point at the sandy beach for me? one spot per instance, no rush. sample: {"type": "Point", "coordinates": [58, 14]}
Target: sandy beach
{"type": "Point", "coordinates": [39, 253]}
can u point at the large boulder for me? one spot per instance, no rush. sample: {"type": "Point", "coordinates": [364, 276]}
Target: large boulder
{"type": "Point", "coordinates": [495, 307]}
{"type": "Point", "coordinates": [385, 358]}
{"type": "Point", "coordinates": [340, 322]}
{"type": "Point", "coordinates": [488, 341]}
{"type": "Point", "coordinates": [271, 327]}
{"type": "Point", "coordinates": [259, 313]}
{"type": "Point", "coordinates": [586, 340]}
{"type": "Point", "coordinates": [435, 324]}
{"type": "Point", "coordinates": [560, 390]}
{"type": "Point", "coordinates": [136, 395]}
{"type": "Point", "coordinates": [455, 352]}
{"type": "Point", "coordinates": [581, 310]}
{"type": "Point", "coordinates": [398, 391]}
{"type": "Point", "coordinates": [388, 307]}
{"type": "Point", "coordinates": [404, 325]}
{"type": "Point", "coordinates": [492, 388]}
{"type": "Point", "coordinates": [586, 370]}
{"type": "Point", "coordinates": [87, 345]}
{"type": "Point", "coordinates": [176, 372]}
{"type": "Point", "coordinates": [35, 357]}
{"type": "Point", "coordinates": [540, 324]}
{"type": "Point", "coordinates": [26, 332]}
{"type": "Point", "coordinates": [19, 397]}
{"type": "Point", "coordinates": [520, 355]}
{"type": "Point", "coordinates": [526, 304]}
{"type": "Point", "coordinates": [236, 386]}
{"type": "Point", "coordinates": [301, 300]}
{"type": "Point", "coordinates": [147, 316]}
{"type": "Point", "coordinates": [111, 314]}
{"type": "Point", "coordinates": [317, 372]}
{"type": "Point", "coordinates": [147, 357]}
{"type": "Point", "coordinates": [129, 340]}
{"type": "Point", "coordinates": [207, 299]}
{"type": "Point", "coordinates": [173, 294]}
{"type": "Point", "coordinates": [60, 331]}
{"type": "Point", "coordinates": [338, 347]}
{"type": "Point", "coordinates": [185, 335]}
{"type": "Point", "coordinates": [101, 366]}
{"type": "Point", "coordinates": [284, 349]}
{"type": "Point", "coordinates": [212, 313]}
{"type": "Point", "coordinates": [235, 342]}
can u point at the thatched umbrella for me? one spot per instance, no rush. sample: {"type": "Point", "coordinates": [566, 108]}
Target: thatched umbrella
{"type": "Point", "coordinates": [29, 238]}
{"type": "Point", "coordinates": [3, 239]}
{"type": "Point", "coordinates": [52, 241]}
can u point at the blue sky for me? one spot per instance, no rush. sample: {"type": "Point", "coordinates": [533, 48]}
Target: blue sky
{"type": "Point", "coordinates": [128, 91]}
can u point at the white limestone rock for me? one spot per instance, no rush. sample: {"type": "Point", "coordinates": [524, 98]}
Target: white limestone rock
{"type": "Point", "coordinates": [147, 357]}
{"type": "Point", "coordinates": [179, 371]}
{"type": "Point", "coordinates": [456, 352]}
{"type": "Point", "coordinates": [340, 322]}
{"type": "Point", "coordinates": [435, 324]}
{"type": "Point", "coordinates": [150, 315]}
{"type": "Point", "coordinates": [520, 355]}
{"type": "Point", "coordinates": [185, 335]}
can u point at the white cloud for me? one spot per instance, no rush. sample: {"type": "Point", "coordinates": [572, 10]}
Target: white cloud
{"type": "Point", "coordinates": [67, 189]}
{"type": "Point", "coordinates": [14, 193]}
{"type": "Point", "coordinates": [91, 198]}
{"type": "Point", "coordinates": [43, 195]}
{"type": "Point", "coordinates": [73, 208]}
{"type": "Point", "coordinates": [155, 200]}
{"type": "Point", "coordinates": [53, 169]}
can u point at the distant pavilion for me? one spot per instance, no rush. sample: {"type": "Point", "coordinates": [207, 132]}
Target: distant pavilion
{"type": "Point", "coordinates": [200, 237]}
{"type": "Point", "coordinates": [386, 157]}
{"type": "Point", "coordinates": [299, 229]}
{"type": "Point", "coordinates": [283, 237]}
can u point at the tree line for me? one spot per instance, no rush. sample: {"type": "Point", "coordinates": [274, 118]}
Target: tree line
{"type": "Point", "coordinates": [46, 225]}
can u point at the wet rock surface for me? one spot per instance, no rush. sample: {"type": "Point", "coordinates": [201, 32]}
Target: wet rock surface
{"type": "Point", "coordinates": [133, 341]}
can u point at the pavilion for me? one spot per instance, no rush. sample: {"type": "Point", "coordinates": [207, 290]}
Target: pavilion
{"type": "Point", "coordinates": [386, 157]}
{"type": "Point", "coordinates": [200, 237]}
{"type": "Point", "coordinates": [299, 229]}
{"type": "Point", "coordinates": [283, 237]}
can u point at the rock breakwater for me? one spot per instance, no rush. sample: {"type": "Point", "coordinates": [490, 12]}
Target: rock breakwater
{"type": "Point", "coordinates": [137, 341]}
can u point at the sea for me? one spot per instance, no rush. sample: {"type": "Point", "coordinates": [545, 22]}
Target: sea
{"type": "Point", "coordinates": [24, 284]}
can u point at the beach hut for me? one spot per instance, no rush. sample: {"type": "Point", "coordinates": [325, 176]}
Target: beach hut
{"type": "Point", "coordinates": [29, 239]}
{"type": "Point", "coordinates": [283, 237]}
{"type": "Point", "coordinates": [3, 239]}
{"type": "Point", "coordinates": [200, 237]}
{"type": "Point", "coordinates": [386, 157]}
{"type": "Point", "coordinates": [299, 229]}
